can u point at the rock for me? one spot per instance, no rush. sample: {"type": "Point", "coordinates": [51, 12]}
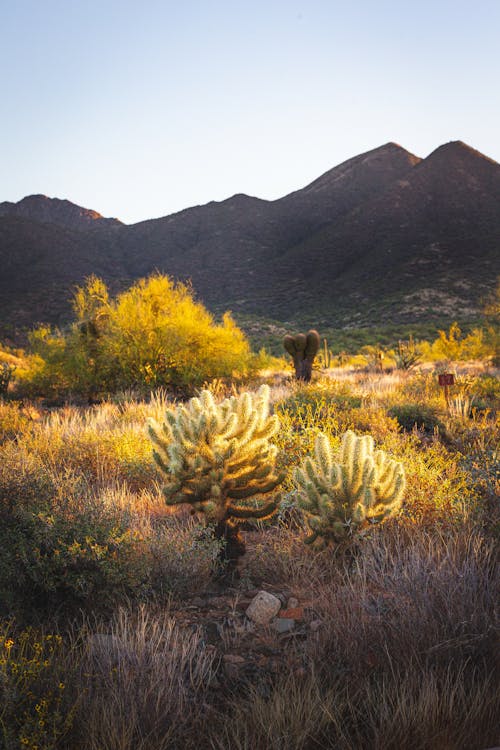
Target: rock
{"type": "Point", "coordinates": [315, 625]}
{"type": "Point", "coordinates": [296, 613]}
{"type": "Point", "coordinates": [292, 603]}
{"type": "Point", "coordinates": [263, 608]}
{"type": "Point", "coordinates": [283, 624]}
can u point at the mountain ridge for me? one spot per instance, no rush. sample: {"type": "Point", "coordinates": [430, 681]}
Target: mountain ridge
{"type": "Point", "coordinates": [355, 245]}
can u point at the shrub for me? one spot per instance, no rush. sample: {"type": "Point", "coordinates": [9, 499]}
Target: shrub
{"type": "Point", "coordinates": [154, 334]}
{"type": "Point", "coordinates": [50, 561]}
{"type": "Point", "coordinates": [414, 415]}
{"type": "Point", "coordinates": [34, 710]}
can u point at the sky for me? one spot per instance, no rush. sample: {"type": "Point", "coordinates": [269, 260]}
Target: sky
{"type": "Point", "coordinates": [141, 109]}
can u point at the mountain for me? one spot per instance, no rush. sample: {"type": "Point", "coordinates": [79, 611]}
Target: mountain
{"type": "Point", "coordinates": [55, 211]}
{"type": "Point", "coordinates": [383, 237]}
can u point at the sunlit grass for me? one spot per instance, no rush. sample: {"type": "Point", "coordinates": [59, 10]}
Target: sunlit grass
{"type": "Point", "coordinates": [91, 554]}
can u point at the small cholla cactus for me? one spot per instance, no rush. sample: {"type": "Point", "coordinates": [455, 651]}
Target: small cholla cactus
{"type": "Point", "coordinates": [364, 487]}
{"type": "Point", "coordinates": [325, 356]}
{"type": "Point", "coordinates": [303, 349]}
{"type": "Point", "coordinates": [215, 454]}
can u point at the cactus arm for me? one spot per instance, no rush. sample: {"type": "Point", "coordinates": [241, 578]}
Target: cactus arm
{"type": "Point", "coordinates": [266, 511]}
{"type": "Point", "coordinates": [311, 538]}
{"type": "Point", "coordinates": [241, 493]}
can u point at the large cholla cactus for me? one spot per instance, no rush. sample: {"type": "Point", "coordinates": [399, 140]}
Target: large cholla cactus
{"type": "Point", "coordinates": [215, 454]}
{"type": "Point", "coordinates": [303, 349]}
{"type": "Point", "coordinates": [365, 486]}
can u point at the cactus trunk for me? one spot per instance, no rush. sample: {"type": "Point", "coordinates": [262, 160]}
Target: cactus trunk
{"type": "Point", "coordinates": [233, 545]}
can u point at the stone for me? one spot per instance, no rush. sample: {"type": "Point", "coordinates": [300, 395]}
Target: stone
{"type": "Point", "coordinates": [283, 624]}
{"type": "Point", "coordinates": [263, 608]}
{"type": "Point", "coordinates": [292, 603]}
{"type": "Point", "coordinates": [297, 613]}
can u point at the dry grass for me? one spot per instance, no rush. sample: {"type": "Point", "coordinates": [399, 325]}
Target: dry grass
{"type": "Point", "coordinates": [405, 656]}
{"type": "Point", "coordinates": [415, 710]}
{"type": "Point", "coordinates": [141, 677]}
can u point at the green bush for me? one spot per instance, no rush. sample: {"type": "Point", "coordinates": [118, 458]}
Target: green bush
{"type": "Point", "coordinates": [423, 416]}
{"type": "Point", "coordinates": [154, 334]}
{"type": "Point", "coordinates": [50, 561]}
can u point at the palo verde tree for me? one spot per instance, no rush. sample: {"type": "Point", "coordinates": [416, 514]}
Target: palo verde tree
{"type": "Point", "coordinates": [153, 334]}
{"type": "Point", "coordinates": [341, 497]}
{"type": "Point", "coordinates": [214, 455]}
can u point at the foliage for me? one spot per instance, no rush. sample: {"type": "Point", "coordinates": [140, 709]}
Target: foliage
{"type": "Point", "coordinates": [343, 498]}
{"type": "Point", "coordinates": [322, 396]}
{"type": "Point", "coordinates": [48, 559]}
{"type": "Point", "coordinates": [6, 372]}
{"type": "Point", "coordinates": [34, 712]}
{"type": "Point", "coordinates": [84, 526]}
{"type": "Point", "coordinates": [417, 415]}
{"type": "Point", "coordinates": [407, 355]}
{"type": "Point", "coordinates": [453, 345]}
{"type": "Point", "coordinates": [492, 323]}
{"type": "Point", "coordinates": [375, 357]}
{"type": "Point", "coordinates": [154, 334]}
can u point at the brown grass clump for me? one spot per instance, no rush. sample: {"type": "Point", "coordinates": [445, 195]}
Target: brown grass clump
{"type": "Point", "coordinates": [141, 679]}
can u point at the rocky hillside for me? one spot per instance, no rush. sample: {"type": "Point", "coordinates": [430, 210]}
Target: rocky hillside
{"type": "Point", "coordinates": [383, 237]}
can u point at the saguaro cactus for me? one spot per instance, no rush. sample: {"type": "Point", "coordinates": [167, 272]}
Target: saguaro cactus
{"type": "Point", "coordinates": [364, 487]}
{"type": "Point", "coordinates": [303, 349]}
{"type": "Point", "coordinates": [215, 454]}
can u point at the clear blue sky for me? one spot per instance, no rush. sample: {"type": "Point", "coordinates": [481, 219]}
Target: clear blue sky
{"type": "Point", "coordinates": [139, 109]}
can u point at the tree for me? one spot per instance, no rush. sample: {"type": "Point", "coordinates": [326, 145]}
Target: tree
{"type": "Point", "coordinates": [153, 334]}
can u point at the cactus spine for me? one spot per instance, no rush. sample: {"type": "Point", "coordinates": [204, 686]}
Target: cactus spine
{"type": "Point", "coordinates": [364, 487]}
{"type": "Point", "coordinates": [303, 349]}
{"type": "Point", "coordinates": [215, 454]}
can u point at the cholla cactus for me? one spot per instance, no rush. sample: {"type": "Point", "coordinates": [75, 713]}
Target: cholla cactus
{"type": "Point", "coordinates": [365, 486]}
{"type": "Point", "coordinates": [215, 454]}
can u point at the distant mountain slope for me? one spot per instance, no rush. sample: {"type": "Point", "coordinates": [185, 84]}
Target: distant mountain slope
{"type": "Point", "coordinates": [429, 244]}
{"type": "Point", "coordinates": [383, 237]}
{"type": "Point", "coordinates": [56, 211]}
